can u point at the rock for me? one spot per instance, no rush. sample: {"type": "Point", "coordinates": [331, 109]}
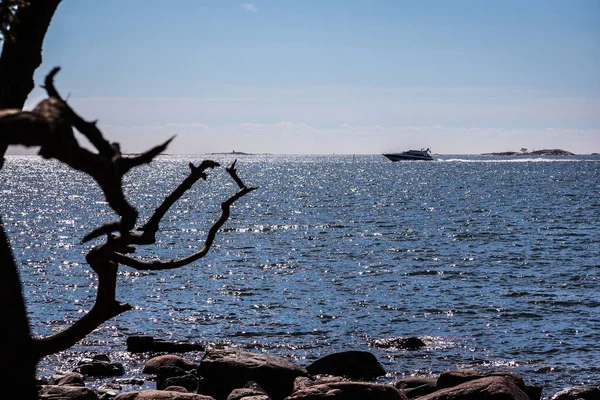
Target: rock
{"type": "Point", "coordinates": [109, 389]}
{"type": "Point", "coordinates": [130, 381]}
{"type": "Point", "coordinates": [348, 391]}
{"type": "Point", "coordinates": [225, 370]}
{"type": "Point", "coordinates": [54, 392]}
{"type": "Point", "coordinates": [164, 373]}
{"type": "Point", "coordinates": [457, 377]}
{"type": "Point", "coordinates": [188, 381]}
{"type": "Point", "coordinates": [67, 378]}
{"type": "Point", "coordinates": [417, 386]}
{"type": "Point", "coordinates": [303, 382]}
{"type": "Point", "coordinates": [252, 391]}
{"type": "Point", "coordinates": [168, 360]}
{"type": "Point", "coordinates": [489, 388]}
{"type": "Point", "coordinates": [578, 392]}
{"type": "Point", "coordinates": [408, 343]}
{"type": "Point", "coordinates": [161, 395]}
{"type": "Point", "coordinates": [353, 364]}
{"type": "Point", "coordinates": [180, 389]}
{"type": "Point", "coordinates": [141, 344]}
{"type": "Point", "coordinates": [100, 368]}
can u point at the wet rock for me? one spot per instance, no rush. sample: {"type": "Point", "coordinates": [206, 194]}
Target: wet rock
{"type": "Point", "coordinates": [161, 395]}
{"type": "Point", "coordinates": [65, 392]}
{"type": "Point", "coordinates": [100, 368]}
{"type": "Point", "coordinates": [406, 343]}
{"type": "Point", "coordinates": [142, 344]}
{"type": "Point", "coordinates": [489, 388]}
{"type": "Point", "coordinates": [417, 386]}
{"type": "Point", "coordinates": [130, 381]}
{"type": "Point", "coordinates": [67, 378]}
{"type": "Point", "coordinates": [352, 364]}
{"type": "Point", "coordinates": [578, 393]}
{"type": "Point", "coordinates": [348, 391]}
{"type": "Point", "coordinates": [225, 370]}
{"type": "Point", "coordinates": [168, 360]}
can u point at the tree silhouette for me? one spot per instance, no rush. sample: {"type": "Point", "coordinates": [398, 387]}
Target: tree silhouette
{"type": "Point", "coordinates": [51, 126]}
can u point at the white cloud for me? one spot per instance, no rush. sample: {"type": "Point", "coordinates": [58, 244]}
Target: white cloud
{"type": "Point", "coordinates": [250, 7]}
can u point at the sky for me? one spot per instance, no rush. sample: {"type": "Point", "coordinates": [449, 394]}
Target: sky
{"type": "Point", "coordinates": [332, 76]}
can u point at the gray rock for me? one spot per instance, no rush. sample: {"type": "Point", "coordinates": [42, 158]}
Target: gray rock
{"type": "Point", "coordinates": [352, 364]}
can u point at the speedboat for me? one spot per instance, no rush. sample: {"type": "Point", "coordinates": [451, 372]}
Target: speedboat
{"type": "Point", "coordinates": [423, 154]}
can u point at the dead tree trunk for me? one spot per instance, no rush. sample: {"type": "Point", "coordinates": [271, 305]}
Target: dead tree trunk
{"type": "Point", "coordinates": [22, 54]}
{"type": "Point", "coordinates": [20, 57]}
{"type": "Point", "coordinates": [17, 360]}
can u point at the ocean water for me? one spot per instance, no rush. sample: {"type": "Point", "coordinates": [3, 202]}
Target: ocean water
{"type": "Point", "coordinates": [494, 262]}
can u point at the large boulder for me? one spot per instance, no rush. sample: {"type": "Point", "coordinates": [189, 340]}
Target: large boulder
{"type": "Point", "coordinates": [490, 388]}
{"type": "Point", "coordinates": [352, 364]}
{"type": "Point", "coordinates": [168, 360]}
{"type": "Point", "coordinates": [252, 391]}
{"type": "Point", "coordinates": [578, 393]}
{"type": "Point", "coordinates": [161, 395]}
{"type": "Point", "coordinates": [456, 377]}
{"type": "Point", "coordinates": [225, 370]}
{"type": "Point", "coordinates": [66, 392]}
{"type": "Point", "coordinates": [67, 379]}
{"type": "Point", "coordinates": [417, 386]}
{"type": "Point", "coordinates": [348, 391]}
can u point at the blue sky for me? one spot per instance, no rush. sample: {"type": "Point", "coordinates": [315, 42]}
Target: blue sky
{"type": "Point", "coordinates": [332, 76]}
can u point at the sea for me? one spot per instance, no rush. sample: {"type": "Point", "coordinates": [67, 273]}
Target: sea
{"type": "Point", "coordinates": [494, 262]}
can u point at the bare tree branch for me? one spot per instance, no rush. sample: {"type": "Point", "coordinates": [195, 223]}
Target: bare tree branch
{"type": "Point", "coordinates": [151, 227]}
{"type": "Point", "coordinates": [172, 264]}
{"type": "Point", "coordinates": [126, 164]}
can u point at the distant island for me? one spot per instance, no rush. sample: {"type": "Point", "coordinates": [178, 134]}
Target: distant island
{"type": "Point", "coordinates": [524, 152]}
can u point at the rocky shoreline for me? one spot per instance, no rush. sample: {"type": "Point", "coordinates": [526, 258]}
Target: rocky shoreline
{"type": "Point", "coordinates": [225, 374]}
{"type": "Point", "coordinates": [544, 152]}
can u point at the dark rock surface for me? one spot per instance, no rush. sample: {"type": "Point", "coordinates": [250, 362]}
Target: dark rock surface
{"type": "Point", "coordinates": [66, 392]}
{"type": "Point", "coordinates": [348, 391]}
{"type": "Point", "coordinates": [407, 343]}
{"type": "Point", "coordinates": [67, 378]}
{"type": "Point", "coordinates": [489, 388]}
{"type": "Point", "coordinates": [225, 370]}
{"type": "Point", "coordinates": [142, 344]}
{"type": "Point", "coordinates": [352, 364]}
{"type": "Point", "coordinates": [161, 395]}
{"type": "Point", "coordinates": [578, 393]}
{"type": "Point", "coordinates": [168, 360]}
{"type": "Point", "coordinates": [417, 386]}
